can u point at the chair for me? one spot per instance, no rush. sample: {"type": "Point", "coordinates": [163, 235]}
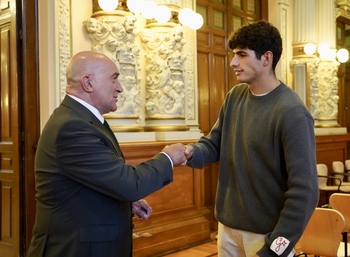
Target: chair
{"type": "Point", "coordinates": [338, 167]}
{"type": "Point", "coordinates": [347, 166]}
{"type": "Point", "coordinates": [322, 172]}
{"type": "Point", "coordinates": [322, 235]}
{"type": "Point", "coordinates": [341, 203]}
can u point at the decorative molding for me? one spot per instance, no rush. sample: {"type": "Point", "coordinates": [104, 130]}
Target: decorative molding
{"type": "Point", "coordinates": [64, 42]}
{"type": "Point", "coordinates": [342, 8]}
{"type": "Point", "coordinates": [343, 4]}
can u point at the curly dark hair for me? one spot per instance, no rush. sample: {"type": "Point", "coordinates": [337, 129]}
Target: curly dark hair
{"type": "Point", "coordinates": [260, 36]}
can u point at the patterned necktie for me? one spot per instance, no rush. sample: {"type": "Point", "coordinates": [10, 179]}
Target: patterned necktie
{"type": "Point", "coordinates": [105, 123]}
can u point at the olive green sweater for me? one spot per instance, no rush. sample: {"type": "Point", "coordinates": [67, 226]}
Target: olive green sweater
{"type": "Point", "coordinates": [266, 148]}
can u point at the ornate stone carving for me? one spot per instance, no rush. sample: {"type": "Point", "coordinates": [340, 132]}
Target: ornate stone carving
{"type": "Point", "coordinates": [116, 37]}
{"type": "Point", "coordinates": [328, 91]}
{"type": "Point", "coordinates": [161, 94]}
{"type": "Point", "coordinates": [323, 90]}
{"type": "Point", "coordinates": [164, 71]}
{"type": "Point", "coordinates": [343, 4]}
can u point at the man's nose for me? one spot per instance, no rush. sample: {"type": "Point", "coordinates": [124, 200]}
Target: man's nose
{"type": "Point", "coordinates": [233, 63]}
{"type": "Point", "coordinates": [119, 87]}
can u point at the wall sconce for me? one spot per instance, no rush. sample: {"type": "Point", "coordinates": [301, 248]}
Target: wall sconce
{"type": "Point", "coordinates": [326, 53]}
{"type": "Point", "coordinates": [150, 10]}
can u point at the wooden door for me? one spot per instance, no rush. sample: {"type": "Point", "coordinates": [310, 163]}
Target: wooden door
{"type": "Point", "coordinates": [10, 143]}
{"type": "Point", "coordinates": [19, 123]}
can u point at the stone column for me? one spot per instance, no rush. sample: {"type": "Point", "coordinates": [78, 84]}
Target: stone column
{"type": "Point", "coordinates": [305, 30]}
{"type": "Point", "coordinates": [302, 65]}
{"type": "Point", "coordinates": [316, 78]}
{"type": "Point", "coordinates": [327, 104]}
{"type": "Point", "coordinates": [326, 22]}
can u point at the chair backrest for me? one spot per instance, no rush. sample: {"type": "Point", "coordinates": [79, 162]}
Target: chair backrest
{"type": "Point", "coordinates": [341, 203]}
{"type": "Point", "coordinates": [322, 170]}
{"type": "Point", "coordinates": [322, 234]}
{"type": "Point", "coordinates": [338, 166]}
{"type": "Point", "coordinates": [347, 164]}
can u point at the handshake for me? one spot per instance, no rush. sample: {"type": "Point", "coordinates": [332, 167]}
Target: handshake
{"type": "Point", "coordinates": [179, 153]}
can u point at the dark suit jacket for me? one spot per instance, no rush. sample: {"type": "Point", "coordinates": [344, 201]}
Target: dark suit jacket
{"type": "Point", "coordinates": [85, 189]}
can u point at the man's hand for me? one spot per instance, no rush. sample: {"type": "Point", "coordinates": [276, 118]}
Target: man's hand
{"type": "Point", "coordinates": [177, 153]}
{"type": "Point", "coordinates": [141, 209]}
{"type": "Point", "coordinates": [189, 151]}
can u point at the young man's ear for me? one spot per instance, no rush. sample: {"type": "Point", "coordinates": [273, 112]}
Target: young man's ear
{"type": "Point", "coordinates": [86, 84]}
{"type": "Point", "coordinates": [267, 58]}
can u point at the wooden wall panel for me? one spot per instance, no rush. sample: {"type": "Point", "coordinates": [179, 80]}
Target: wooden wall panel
{"type": "Point", "coordinates": [6, 212]}
{"type": "Point", "coordinates": [5, 86]}
{"type": "Point", "coordinates": [203, 91]}
{"type": "Point", "coordinates": [179, 215]}
{"type": "Point", "coordinates": [331, 148]}
{"type": "Point", "coordinates": [218, 85]}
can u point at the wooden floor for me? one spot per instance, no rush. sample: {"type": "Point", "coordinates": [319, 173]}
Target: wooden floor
{"type": "Point", "coordinates": [203, 250]}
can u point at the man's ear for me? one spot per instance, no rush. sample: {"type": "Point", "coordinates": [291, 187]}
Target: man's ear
{"type": "Point", "coordinates": [86, 84]}
{"type": "Point", "coordinates": [268, 57]}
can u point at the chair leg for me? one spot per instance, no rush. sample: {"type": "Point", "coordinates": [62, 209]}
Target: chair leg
{"type": "Point", "coordinates": [345, 240]}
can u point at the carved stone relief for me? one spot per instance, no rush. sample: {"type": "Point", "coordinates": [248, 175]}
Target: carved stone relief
{"type": "Point", "coordinates": [165, 71]}
{"type": "Point", "coordinates": [343, 4]}
{"type": "Point", "coordinates": [328, 90]}
{"type": "Point", "coordinates": [323, 90]}
{"type": "Point", "coordinates": [160, 49]}
{"type": "Point", "coordinates": [115, 36]}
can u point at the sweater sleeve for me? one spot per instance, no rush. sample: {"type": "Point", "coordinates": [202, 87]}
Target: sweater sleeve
{"type": "Point", "coordinates": [207, 149]}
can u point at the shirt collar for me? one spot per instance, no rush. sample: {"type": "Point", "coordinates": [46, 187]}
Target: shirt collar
{"type": "Point", "coordinates": [90, 107]}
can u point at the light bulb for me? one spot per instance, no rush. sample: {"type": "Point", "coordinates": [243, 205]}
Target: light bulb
{"type": "Point", "coordinates": [342, 55]}
{"type": "Point", "coordinates": [328, 54]}
{"type": "Point", "coordinates": [135, 6]}
{"type": "Point", "coordinates": [185, 16]}
{"type": "Point", "coordinates": [196, 21]}
{"type": "Point", "coordinates": [149, 9]}
{"type": "Point", "coordinates": [323, 48]}
{"type": "Point", "coordinates": [163, 14]}
{"type": "Point", "coordinates": [108, 5]}
{"type": "Point", "coordinates": [310, 48]}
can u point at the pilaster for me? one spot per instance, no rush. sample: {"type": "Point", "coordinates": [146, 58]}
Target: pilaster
{"type": "Point", "coordinates": [315, 79]}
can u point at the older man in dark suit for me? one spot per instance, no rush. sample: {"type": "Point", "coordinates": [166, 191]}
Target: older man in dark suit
{"type": "Point", "coordinates": [85, 190]}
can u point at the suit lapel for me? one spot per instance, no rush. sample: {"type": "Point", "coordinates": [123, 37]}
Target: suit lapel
{"type": "Point", "coordinates": [113, 138]}
{"type": "Point", "coordinates": [87, 114]}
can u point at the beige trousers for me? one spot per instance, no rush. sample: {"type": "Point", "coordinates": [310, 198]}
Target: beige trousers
{"type": "Point", "coordinates": [239, 243]}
